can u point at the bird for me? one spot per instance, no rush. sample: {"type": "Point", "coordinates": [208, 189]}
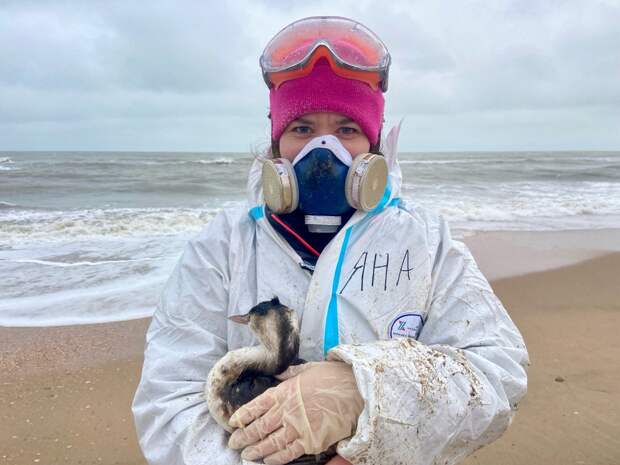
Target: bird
{"type": "Point", "coordinates": [245, 373]}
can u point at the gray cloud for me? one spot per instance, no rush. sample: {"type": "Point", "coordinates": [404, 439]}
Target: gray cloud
{"type": "Point", "coordinates": [184, 75]}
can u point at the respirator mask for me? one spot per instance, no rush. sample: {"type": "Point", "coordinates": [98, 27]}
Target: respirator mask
{"type": "Point", "coordinates": [324, 181]}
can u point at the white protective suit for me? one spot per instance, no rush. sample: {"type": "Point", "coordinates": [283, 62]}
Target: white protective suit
{"type": "Point", "coordinates": [438, 361]}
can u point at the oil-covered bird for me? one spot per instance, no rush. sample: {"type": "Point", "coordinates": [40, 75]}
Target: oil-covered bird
{"type": "Point", "coordinates": [243, 374]}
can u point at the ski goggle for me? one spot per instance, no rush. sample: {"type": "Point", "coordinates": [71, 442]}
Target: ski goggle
{"type": "Point", "coordinates": [352, 50]}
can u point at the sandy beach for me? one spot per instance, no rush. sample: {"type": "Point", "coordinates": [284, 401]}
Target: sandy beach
{"type": "Point", "coordinates": [65, 392]}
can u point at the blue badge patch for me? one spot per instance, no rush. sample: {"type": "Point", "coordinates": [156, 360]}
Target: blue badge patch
{"type": "Point", "coordinates": [406, 325]}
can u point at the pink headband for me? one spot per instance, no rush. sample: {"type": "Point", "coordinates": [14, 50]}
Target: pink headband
{"type": "Point", "coordinates": [323, 90]}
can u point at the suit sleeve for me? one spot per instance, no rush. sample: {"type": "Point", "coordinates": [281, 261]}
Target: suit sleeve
{"type": "Point", "coordinates": [186, 337]}
{"type": "Point", "coordinates": [455, 389]}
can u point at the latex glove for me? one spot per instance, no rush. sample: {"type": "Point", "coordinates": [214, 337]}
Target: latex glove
{"type": "Point", "coordinates": [316, 406]}
{"type": "Point", "coordinates": [338, 460]}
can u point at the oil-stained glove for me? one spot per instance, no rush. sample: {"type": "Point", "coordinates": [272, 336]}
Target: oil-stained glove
{"type": "Point", "coordinates": [316, 405]}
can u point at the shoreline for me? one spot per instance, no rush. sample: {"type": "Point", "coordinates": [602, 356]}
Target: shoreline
{"type": "Point", "coordinates": [66, 391]}
{"type": "Point", "coordinates": [499, 254]}
{"type": "Point", "coordinates": [509, 254]}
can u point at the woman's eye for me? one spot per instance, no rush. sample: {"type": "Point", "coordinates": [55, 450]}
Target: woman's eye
{"type": "Point", "coordinates": [348, 130]}
{"type": "Point", "coordinates": [301, 129]}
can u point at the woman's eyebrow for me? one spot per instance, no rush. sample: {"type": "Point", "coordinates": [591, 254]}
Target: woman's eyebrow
{"type": "Point", "coordinates": [345, 121]}
{"type": "Point", "coordinates": [303, 121]}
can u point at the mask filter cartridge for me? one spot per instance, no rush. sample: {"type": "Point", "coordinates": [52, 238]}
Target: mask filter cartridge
{"type": "Point", "coordinates": [324, 182]}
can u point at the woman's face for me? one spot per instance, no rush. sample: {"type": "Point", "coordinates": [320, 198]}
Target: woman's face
{"type": "Point", "coordinates": [311, 125]}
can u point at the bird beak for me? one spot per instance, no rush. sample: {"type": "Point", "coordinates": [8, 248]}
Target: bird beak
{"type": "Point", "coordinates": [241, 319]}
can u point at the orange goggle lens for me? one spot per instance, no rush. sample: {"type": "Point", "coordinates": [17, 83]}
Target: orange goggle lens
{"type": "Point", "coordinates": [373, 79]}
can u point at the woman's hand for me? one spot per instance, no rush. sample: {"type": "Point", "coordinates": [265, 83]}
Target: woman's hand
{"type": "Point", "coordinates": [316, 405]}
{"type": "Point", "coordinates": [338, 460]}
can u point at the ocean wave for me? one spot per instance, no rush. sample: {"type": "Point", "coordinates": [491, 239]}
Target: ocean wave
{"type": "Point", "coordinates": [6, 160]}
{"type": "Point", "coordinates": [509, 158]}
{"type": "Point", "coordinates": [113, 301]}
{"type": "Point", "coordinates": [515, 205]}
{"type": "Point", "coordinates": [5, 205]}
{"type": "Point", "coordinates": [14, 207]}
{"type": "Point", "coordinates": [574, 159]}
{"type": "Point", "coordinates": [520, 209]}
{"type": "Point", "coordinates": [85, 263]}
{"type": "Point", "coordinates": [460, 161]}
{"type": "Point", "coordinates": [217, 161]}
{"type": "Point", "coordinates": [57, 225]}
{"type": "Point", "coordinates": [114, 162]}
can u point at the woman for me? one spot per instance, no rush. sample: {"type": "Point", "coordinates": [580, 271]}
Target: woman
{"type": "Point", "coordinates": [392, 310]}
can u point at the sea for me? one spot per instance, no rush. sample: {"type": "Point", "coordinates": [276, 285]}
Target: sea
{"type": "Point", "coordinates": [89, 237]}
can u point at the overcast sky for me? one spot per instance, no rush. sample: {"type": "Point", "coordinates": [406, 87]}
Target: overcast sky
{"type": "Point", "coordinates": [184, 75]}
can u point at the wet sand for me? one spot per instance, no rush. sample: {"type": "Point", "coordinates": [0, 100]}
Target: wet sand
{"type": "Point", "coordinates": [570, 319]}
{"type": "Point", "coordinates": [65, 392]}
